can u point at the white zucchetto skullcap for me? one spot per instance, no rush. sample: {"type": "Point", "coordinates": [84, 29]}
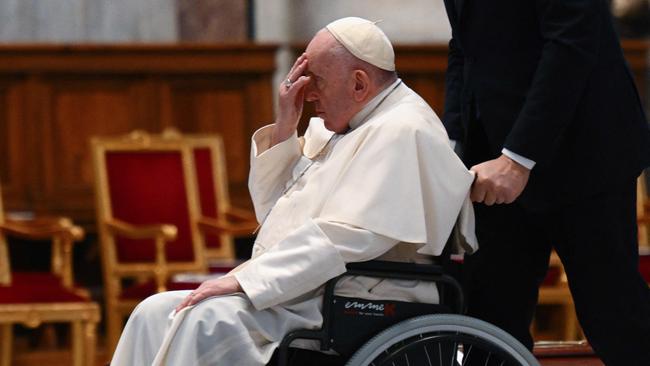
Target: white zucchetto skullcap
{"type": "Point", "coordinates": [365, 40]}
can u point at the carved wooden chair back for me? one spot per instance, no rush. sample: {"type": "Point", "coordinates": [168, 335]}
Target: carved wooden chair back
{"type": "Point", "coordinates": [221, 221]}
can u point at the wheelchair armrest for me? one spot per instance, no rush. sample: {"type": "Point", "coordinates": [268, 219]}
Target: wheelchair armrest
{"type": "Point", "coordinates": [389, 269]}
{"type": "Point", "coordinates": [395, 270]}
{"type": "Point", "coordinates": [382, 269]}
{"type": "Point", "coordinates": [398, 270]}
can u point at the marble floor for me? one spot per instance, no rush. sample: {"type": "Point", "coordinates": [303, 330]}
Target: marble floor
{"type": "Point", "coordinates": [559, 356]}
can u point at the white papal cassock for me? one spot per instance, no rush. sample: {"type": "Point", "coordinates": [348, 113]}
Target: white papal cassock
{"type": "Point", "coordinates": [387, 188]}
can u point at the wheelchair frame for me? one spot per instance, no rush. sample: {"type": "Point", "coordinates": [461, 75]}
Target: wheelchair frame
{"type": "Point", "coordinates": [449, 325]}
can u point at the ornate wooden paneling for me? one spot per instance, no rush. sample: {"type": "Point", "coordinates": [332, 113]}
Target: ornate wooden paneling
{"type": "Point", "coordinates": [423, 67]}
{"type": "Point", "coordinates": [13, 137]}
{"type": "Point", "coordinates": [75, 109]}
{"type": "Point", "coordinates": [54, 98]}
{"type": "Point", "coordinates": [5, 147]}
{"type": "Point", "coordinates": [215, 106]}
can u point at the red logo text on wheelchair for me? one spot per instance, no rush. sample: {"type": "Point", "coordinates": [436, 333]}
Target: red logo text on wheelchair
{"type": "Point", "coordinates": [369, 308]}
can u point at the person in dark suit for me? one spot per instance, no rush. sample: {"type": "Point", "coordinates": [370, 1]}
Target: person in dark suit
{"type": "Point", "coordinates": [544, 109]}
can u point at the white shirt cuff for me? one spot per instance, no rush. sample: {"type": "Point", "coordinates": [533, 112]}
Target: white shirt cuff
{"type": "Point", "coordinates": [527, 163]}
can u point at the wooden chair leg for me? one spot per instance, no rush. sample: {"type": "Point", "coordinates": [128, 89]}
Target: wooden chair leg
{"type": "Point", "coordinates": [6, 343]}
{"type": "Point", "coordinates": [90, 342]}
{"type": "Point", "coordinates": [570, 323]}
{"type": "Point", "coordinates": [113, 330]}
{"type": "Point", "coordinates": [77, 344]}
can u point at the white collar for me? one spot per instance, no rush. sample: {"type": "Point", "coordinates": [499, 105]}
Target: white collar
{"type": "Point", "coordinates": [367, 109]}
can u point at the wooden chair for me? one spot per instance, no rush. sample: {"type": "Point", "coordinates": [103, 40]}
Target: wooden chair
{"type": "Point", "coordinates": [555, 291]}
{"type": "Point", "coordinates": [147, 217]}
{"type": "Point", "coordinates": [33, 298]}
{"type": "Point", "coordinates": [220, 220]}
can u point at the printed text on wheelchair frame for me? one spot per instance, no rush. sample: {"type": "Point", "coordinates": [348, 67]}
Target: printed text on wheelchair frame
{"type": "Point", "coordinates": [370, 308]}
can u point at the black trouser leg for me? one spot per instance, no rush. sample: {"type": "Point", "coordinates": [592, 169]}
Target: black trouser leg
{"type": "Point", "coordinates": [597, 242]}
{"type": "Point", "coordinates": [504, 274]}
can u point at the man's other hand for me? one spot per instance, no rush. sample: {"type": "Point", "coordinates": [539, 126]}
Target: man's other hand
{"type": "Point", "coordinates": [498, 181]}
{"type": "Point", "coordinates": [219, 286]}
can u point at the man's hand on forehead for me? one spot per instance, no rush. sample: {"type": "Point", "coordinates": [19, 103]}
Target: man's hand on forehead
{"type": "Point", "coordinates": [291, 96]}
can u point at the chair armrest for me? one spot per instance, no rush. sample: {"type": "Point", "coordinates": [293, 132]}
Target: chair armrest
{"type": "Point", "coordinates": [240, 214]}
{"type": "Point", "coordinates": [42, 228]}
{"type": "Point", "coordinates": [214, 226]}
{"type": "Point", "coordinates": [160, 233]}
{"type": "Point", "coordinates": [62, 232]}
{"type": "Point", "coordinates": [166, 231]}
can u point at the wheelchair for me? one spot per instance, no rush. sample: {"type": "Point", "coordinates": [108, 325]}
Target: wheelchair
{"type": "Point", "coordinates": [395, 333]}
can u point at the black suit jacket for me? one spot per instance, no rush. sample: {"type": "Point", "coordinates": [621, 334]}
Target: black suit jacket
{"type": "Point", "coordinates": [547, 80]}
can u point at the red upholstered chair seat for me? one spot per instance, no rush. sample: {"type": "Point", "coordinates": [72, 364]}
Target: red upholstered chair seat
{"type": "Point", "coordinates": [32, 288]}
{"type": "Point", "coordinates": [148, 288]}
{"type": "Point", "coordinates": [35, 278]}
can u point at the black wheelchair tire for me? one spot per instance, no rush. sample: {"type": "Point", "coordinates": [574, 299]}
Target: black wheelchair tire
{"type": "Point", "coordinates": [457, 325]}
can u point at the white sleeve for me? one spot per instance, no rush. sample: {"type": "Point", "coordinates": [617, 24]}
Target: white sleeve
{"type": "Point", "coordinates": [521, 160]}
{"type": "Point", "coordinates": [271, 168]}
{"type": "Point", "coordinates": [306, 259]}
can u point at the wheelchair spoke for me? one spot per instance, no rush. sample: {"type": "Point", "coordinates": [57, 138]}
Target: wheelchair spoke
{"type": "Point", "coordinates": [487, 359]}
{"type": "Point", "coordinates": [471, 343]}
{"type": "Point", "coordinates": [420, 350]}
{"type": "Point", "coordinates": [427, 354]}
{"type": "Point", "coordinates": [454, 354]}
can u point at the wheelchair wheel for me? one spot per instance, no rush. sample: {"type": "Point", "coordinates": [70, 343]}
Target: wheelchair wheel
{"type": "Point", "coordinates": [443, 339]}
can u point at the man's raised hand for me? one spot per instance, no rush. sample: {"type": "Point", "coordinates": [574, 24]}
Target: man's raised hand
{"type": "Point", "coordinates": [290, 101]}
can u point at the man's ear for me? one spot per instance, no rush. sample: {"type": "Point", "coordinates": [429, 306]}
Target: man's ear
{"type": "Point", "coordinates": [361, 85]}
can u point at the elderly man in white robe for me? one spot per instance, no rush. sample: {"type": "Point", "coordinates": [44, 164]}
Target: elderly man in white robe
{"type": "Point", "coordinates": [374, 177]}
